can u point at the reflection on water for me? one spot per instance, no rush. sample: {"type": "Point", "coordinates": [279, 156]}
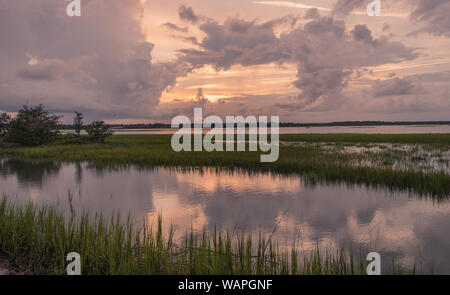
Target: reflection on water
{"type": "Point", "coordinates": [409, 229]}
{"type": "Point", "coordinates": [29, 174]}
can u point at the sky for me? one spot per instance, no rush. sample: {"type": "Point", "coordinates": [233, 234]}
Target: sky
{"type": "Point", "coordinates": [140, 61]}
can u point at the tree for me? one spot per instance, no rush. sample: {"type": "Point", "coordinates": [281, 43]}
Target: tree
{"type": "Point", "coordinates": [98, 131]}
{"type": "Point", "coordinates": [78, 122]}
{"type": "Point", "coordinates": [5, 120]}
{"type": "Point", "coordinates": [33, 126]}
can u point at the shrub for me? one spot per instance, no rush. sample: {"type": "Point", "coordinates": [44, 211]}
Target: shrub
{"type": "Point", "coordinates": [33, 126]}
{"type": "Point", "coordinates": [98, 131]}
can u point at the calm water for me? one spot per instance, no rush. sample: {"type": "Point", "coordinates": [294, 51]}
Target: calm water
{"type": "Point", "coordinates": [407, 228]}
{"type": "Point", "coordinates": [321, 130]}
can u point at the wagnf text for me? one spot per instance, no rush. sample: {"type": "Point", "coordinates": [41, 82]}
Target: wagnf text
{"type": "Point", "coordinates": [213, 140]}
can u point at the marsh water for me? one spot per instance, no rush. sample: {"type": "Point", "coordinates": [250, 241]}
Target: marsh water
{"type": "Point", "coordinates": [404, 227]}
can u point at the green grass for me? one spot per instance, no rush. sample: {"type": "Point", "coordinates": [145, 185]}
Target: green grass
{"type": "Point", "coordinates": [313, 164]}
{"type": "Point", "coordinates": [37, 240]}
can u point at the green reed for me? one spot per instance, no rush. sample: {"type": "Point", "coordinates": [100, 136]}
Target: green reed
{"type": "Point", "coordinates": [36, 240]}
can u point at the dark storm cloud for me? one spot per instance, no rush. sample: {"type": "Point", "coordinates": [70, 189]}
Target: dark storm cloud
{"type": "Point", "coordinates": [100, 62]}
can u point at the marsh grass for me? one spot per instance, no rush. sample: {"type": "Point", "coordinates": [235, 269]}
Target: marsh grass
{"type": "Point", "coordinates": [312, 163]}
{"type": "Point", "coordinates": [38, 240]}
{"type": "Point", "coordinates": [434, 140]}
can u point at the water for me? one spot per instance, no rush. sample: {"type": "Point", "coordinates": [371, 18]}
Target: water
{"type": "Point", "coordinates": [411, 129]}
{"type": "Point", "coordinates": [404, 227]}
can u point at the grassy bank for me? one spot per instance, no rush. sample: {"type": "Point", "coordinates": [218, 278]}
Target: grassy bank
{"type": "Point", "coordinates": [315, 165]}
{"type": "Point", "coordinates": [36, 240]}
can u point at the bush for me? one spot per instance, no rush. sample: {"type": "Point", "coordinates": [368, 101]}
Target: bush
{"type": "Point", "coordinates": [5, 120]}
{"type": "Point", "coordinates": [32, 126]}
{"type": "Point", "coordinates": [98, 131]}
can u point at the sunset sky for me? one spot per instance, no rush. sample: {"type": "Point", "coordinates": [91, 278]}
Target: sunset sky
{"type": "Point", "coordinates": [127, 61]}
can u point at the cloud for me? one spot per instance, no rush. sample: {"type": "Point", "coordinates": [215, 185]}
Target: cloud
{"type": "Point", "coordinates": [436, 77]}
{"type": "Point", "coordinates": [291, 4]}
{"type": "Point", "coordinates": [57, 69]}
{"type": "Point", "coordinates": [392, 87]}
{"type": "Point", "coordinates": [325, 51]}
{"type": "Point", "coordinates": [312, 13]}
{"type": "Point", "coordinates": [235, 42]}
{"type": "Point", "coordinates": [51, 69]}
{"type": "Point", "coordinates": [435, 14]}
{"type": "Point", "coordinates": [187, 14]}
{"type": "Point", "coordinates": [344, 7]}
{"type": "Point", "coordinates": [327, 55]}
{"type": "Point", "coordinates": [432, 13]}
{"type": "Point", "coordinates": [200, 99]}
{"type": "Point", "coordinates": [99, 62]}
{"type": "Point", "coordinates": [174, 27]}
{"type": "Point", "coordinates": [363, 34]}
{"type": "Point", "coordinates": [414, 105]}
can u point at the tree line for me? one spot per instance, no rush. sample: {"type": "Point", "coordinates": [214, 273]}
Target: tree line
{"type": "Point", "coordinates": [34, 126]}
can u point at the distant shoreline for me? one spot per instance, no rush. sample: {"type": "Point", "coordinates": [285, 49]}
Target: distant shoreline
{"type": "Point", "coordinates": [330, 124]}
